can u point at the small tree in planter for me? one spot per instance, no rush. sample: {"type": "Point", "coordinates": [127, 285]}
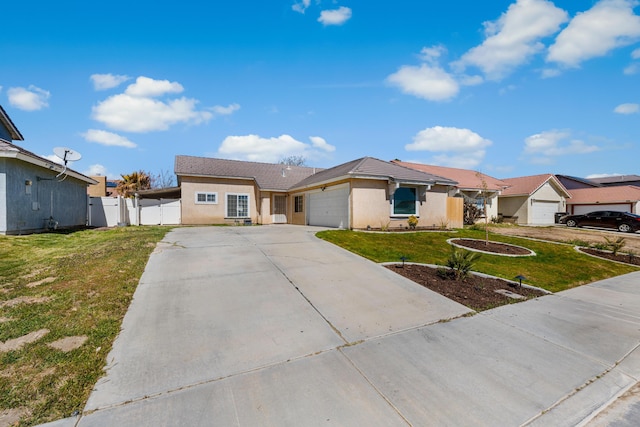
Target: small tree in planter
{"type": "Point", "coordinates": [412, 221]}
{"type": "Point", "coordinates": [615, 245]}
{"type": "Point", "coordinates": [461, 262]}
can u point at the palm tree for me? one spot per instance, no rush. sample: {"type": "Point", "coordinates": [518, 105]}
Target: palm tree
{"type": "Point", "coordinates": [133, 182]}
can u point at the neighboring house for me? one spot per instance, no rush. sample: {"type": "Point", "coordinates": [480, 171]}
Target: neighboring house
{"type": "Point", "coordinates": [35, 194]}
{"type": "Point", "coordinates": [363, 193]}
{"type": "Point", "coordinates": [217, 191]}
{"type": "Point", "coordinates": [619, 198]}
{"type": "Point", "coordinates": [573, 183]}
{"type": "Point", "coordinates": [472, 185]}
{"type": "Point", "coordinates": [612, 181]}
{"type": "Point", "coordinates": [533, 200]}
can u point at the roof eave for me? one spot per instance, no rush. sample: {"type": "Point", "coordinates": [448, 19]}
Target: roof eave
{"type": "Point", "coordinates": [53, 167]}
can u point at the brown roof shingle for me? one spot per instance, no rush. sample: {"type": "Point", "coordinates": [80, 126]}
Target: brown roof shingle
{"type": "Point", "coordinates": [527, 185]}
{"type": "Point", "coordinates": [268, 176]}
{"type": "Point", "coordinates": [372, 168]}
{"type": "Point", "coordinates": [466, 178]}
{"type": "Point", "coordinates": [617, 194]}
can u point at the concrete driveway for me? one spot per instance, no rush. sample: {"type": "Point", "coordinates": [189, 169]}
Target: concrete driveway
{"type": "Point", "coordinates": [247, 326]}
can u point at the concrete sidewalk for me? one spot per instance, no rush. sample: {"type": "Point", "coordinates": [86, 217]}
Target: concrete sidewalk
{"type": "Point", "coordinates": [271, 326]}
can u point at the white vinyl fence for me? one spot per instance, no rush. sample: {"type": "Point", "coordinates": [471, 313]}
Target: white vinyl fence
{"type": "Point", "coordinates": [112, 211]}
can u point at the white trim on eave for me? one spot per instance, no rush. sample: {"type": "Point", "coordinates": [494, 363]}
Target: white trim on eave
{"type": "Point", "coordinates": [46, 165]}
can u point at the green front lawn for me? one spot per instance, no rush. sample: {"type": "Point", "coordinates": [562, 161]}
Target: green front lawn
{"type": "Point", "coordinates": [556, 267]}
{"type": "Point", "coordinates": [72, 285]}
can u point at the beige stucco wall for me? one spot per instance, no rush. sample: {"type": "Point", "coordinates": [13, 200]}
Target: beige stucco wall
{"type": "Point", "coordinates": [514, 206]}
{"type": "Point", "coordinates": [547, 193]}
{"type": "Point", "coordinates": [194, 214]}
{"type": "Point", "coordinates": [370, 206]}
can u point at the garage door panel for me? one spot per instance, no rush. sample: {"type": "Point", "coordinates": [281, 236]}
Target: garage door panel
{"type": "Point", "coordinates": [329, 208]}
{"type": "Point", "coordinates": [544, 212]}
{"type": "Point", "coordinates": [585, 209]}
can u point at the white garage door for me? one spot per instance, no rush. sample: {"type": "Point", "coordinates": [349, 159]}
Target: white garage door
{"type": "Point", "coordinates": [584, 209]}
{"type": "Point", "coordinates": [330, 208]}
{"type": "Point", "coordinates": [543, 212]}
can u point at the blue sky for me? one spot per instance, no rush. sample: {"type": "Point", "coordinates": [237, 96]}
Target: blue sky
{"type": "Point", "coordinates": [510, 88]}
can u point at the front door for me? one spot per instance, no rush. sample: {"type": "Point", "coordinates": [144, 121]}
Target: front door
{"type": "Point", "coordinates": [279, 211]}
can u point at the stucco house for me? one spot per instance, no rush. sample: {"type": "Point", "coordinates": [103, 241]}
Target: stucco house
{"type": "Point", "coordinates": [533, 200]}
{"type": "Point", "coordinates": [472, 185]}
{"type": "Point", "coordinates": [364, 193]}
{"type": "Point", "coordinates": [34, 195]}
{"type": "Point", "coordinates": [616, 198]}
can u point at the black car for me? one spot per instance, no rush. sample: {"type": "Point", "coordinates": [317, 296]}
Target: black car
{"type": "Point", "coordinates": [621, 221]}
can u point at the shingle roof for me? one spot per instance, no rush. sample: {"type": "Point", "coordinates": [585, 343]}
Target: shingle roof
{"type": "Point", "coordinates": [467, 179]}
{"type": "Point", "coordinates": [369, 167]}
{"type": "Point", "coordinates": [10, 150]}
{"type": "Point", "coordinates": [618, 194]}
{"type": "Point", "coordinates": [268, 176]}
{"type": "Point", "coordinates": [276, 177]}
{"type": "Point", "coordinates": [574, 182]}
{"type": "Point", "coordinates": [527, 185]}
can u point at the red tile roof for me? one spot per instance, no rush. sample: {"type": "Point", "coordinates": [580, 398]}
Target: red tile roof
{"type": "Point", "coordinates": [527, 185]}
{"type": "Point", "coordinates": [617, 194]}
{"type": "Point", "coordinates": [467, 179]}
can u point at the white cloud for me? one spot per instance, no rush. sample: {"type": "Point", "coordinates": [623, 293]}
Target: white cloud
{"type": "Point", "coordinates": [544, 146]}
{"type": "Point", "coordinates": [321, 144]}
{"type": "Point", "coordinates": [94, 170]}
{"type": "Point", "coordinates": [426, 81]}
{"type": "Point", "coordinates": [301, 6]}
{"type": "Point", "coordinates": [632, 69]}
{"type": "Point", "coordinates": [468, 147]}
{"type": "Point", "coordinates": [270, 150]}
{"type": "Point", "coordinates": [431, 55]}
{"type": "Point", "coordinates": [635, 54]}
{"type": "Point", "coordinates": [145, 87]}
{"type": "Point", "coordinates": [514, 38]}
{"type": "Point", "coordinates": [107, 81]}
{"type": "Point", "coordinates": [603, 175]}
{"type": "Point", "coordinates": [136, 110]}
{"type": "Point", "coordinates": [30, 99]}
{"type": "Point", "coordinates": [335, 16]}
{"type": "Point", "coordinates": [548, 73]}
{"type": "Point", "coordinates": [627, 109]}
{"type": "Point", "coordinates": [103, 137]}
{"type": "Point", "coordinates": [225, 111]}
{"type": "Point", "coordinates": [607, 25]}
{"type": "Point", "coordinates": [55, 159]}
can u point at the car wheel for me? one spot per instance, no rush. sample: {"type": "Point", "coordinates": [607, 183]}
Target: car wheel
{"type": "Point", "coordinates": [624, 228]}
{"type": "Point", "coordinates": [571, 223]}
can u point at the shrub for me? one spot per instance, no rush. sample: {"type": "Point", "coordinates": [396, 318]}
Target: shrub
{"type": "Point", "coordinates": [615, 245]}
{"type": "Point", "coordinates": [471, 212]}
{"type": "Point", "coordinates": [443, 223]}
{"type": "Point", "coordinates": [412, 221]}
{"type": "Point", "coordinates": [461, 262]}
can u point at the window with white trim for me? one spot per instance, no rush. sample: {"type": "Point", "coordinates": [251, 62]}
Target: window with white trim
{"type": "Point", "coordinates": [298, 204]}
{"type": "Point", "coordinates": [203, 198]}
{"type": "Point", "coordinates": [405, 202]}
{"type": "Point", "coordinates": [237, 205]}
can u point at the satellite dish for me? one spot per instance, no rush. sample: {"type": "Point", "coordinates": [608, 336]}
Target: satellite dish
{"type": "Point", "coordinates": [67, 154]}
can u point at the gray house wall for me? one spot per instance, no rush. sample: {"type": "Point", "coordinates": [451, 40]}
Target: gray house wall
{"type": "Point", "coordinates": [30, 195]}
